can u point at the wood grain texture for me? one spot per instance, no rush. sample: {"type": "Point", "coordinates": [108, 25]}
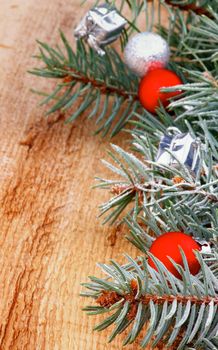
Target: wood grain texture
{"type": "Point", "coordinates": [50, 235]}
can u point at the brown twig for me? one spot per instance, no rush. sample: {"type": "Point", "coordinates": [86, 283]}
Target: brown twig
{"type": "Point", "coordinates": [191, 7]}
{"type": "Point", "coordinates": [120, 189]}
{"type": "Point", "coordinates": [99, 85]}
{"type": "Point", "coordinates": [108, 298]}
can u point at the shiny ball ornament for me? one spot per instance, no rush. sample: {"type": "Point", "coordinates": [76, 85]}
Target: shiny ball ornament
{"type": "Point", "coordinates": [150, 93]}
{"type": "Point", "coordinates": [168, 244]}
{"type": "Point", "coordinates": [146, 51]}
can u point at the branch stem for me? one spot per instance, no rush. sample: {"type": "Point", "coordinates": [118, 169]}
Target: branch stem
{"type": "Point", "coordinates": [99, 85]}
{"type": "Point", "coordinates": [108, 298]}
{"type": "Point", "coordinates": [191, 7]}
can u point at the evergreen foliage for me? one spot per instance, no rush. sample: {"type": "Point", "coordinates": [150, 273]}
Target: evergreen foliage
{"type": "Point", "coordinates": [154, 306]}
{"type": "Point", "coordinates": [166, 311]}
{"type": "Point", "coordinates": [92, 80]}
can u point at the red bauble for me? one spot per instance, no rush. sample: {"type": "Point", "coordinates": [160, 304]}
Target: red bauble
{"type": "Point", "coordinates": [150, 85]}
{"type": "Point", "coordinates": [168, 245]}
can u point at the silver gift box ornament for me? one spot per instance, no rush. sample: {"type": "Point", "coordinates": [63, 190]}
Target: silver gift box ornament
{"type": "Point", "coordinates": [100, 26]}
{"type": "Point", "coordinates": [183, 149]}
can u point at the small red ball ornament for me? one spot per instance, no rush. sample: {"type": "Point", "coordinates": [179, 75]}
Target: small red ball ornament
{"type": "Point", "coordinates": [168, 244]}
{"type": "Point", "coordinates": [150, 86]}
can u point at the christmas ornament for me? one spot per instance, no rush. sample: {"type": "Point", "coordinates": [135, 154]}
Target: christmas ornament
{"type": "Point", "coordinates": [150, 95]}
{"type": "Point", "coordinates": [168, 245]}
{"type": "Point", "coordinates": [100, 26]}
{"type": "Point", "coordinates": [204, 246]}
{"type": "Point", "coordinates": [178, 148]}
{"type": "Point", "coordinates": [146, 51]}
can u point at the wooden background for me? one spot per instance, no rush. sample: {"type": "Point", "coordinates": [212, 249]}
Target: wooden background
{"type": "Point", "coordinates": [50, 236]}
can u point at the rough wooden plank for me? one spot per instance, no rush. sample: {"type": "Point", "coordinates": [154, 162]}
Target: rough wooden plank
{"type": "Point", "coordinates": [50, 237]}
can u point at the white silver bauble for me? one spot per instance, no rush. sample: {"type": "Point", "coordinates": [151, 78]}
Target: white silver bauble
{"type": "Point", "coordinates": [146, 51]}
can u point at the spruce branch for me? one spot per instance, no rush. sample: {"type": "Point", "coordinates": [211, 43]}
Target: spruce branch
{"type": "Point", "coordinates": [197, 59]}
{"type": "Point", "coordinates": [74, 75]}
{"type": "Point", "coordinates": [178, 314]}
{"type": "Point", "coordinates": [193, 41]}
{"type": "Point", "coordinates": [94, 81]}
{"type": "Point", "coordinates": [193, 6]}
{"type": "Point", "coordinates": [156, 305]}
{"type": "Point", "coordinates": [107, 87]}
{"type": "Point", "coordinates": [142, 183]}
{"type": "Point", "coordinates": [144, 230]}
{"type": "Point", "coordinates": [198, 7]}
